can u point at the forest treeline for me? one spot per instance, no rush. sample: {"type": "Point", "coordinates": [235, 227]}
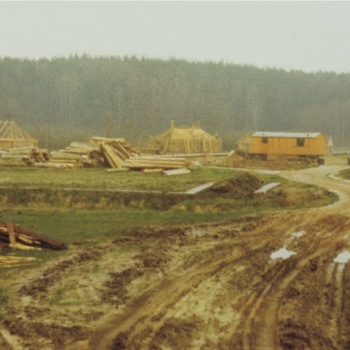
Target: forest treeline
{"type": "Point", "coordinates": [67, 99]}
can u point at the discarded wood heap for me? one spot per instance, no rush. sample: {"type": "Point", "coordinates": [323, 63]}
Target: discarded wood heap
{"type": "Point", "coordinates": [113, 153]}
{"type": "Point", "coordinates": [16, 237]}
{"type": "Point", "coordinates": [23, 156]}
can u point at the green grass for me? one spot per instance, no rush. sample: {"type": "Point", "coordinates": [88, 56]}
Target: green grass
{"type": "Point", "coordinates": [91, 227]}
{"type": "Point", "coordinates": [66, 220]}
{"type": "Point", "coordinates": [97, 178]}
{"type": "Point", "coordinates": [344, 174]}
{"type": "Point", "coordinates": [3, 297]}
{"type": "Point", "coordinates": [70, 226]}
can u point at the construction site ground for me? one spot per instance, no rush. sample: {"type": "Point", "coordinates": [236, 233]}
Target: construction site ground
{"type": "Point", "coordinates": [277, 280]}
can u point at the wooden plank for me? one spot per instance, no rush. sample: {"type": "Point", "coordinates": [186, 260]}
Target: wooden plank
{"type": "Point", "coordinates": [120, 154]}
{"type": "Point", "coordinates": [111, 157]}
{"type": "Point", "coordinates": [124, 150]}
{"type": "Point", "coordinates": [177, 172]}
{"type": "Point", "coordinates": [200, 188]}
{"type": "Point", "coordinates": [153, 171]}
{"type": "Point", "coordinates": [11, 232]}
{"type": "Point", "coordinates": [43, 239]}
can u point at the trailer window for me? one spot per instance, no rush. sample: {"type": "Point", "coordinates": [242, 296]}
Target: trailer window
{"type": "Point", "coordinates": [264, 140]}
{"type": "Point", "coordinates": [300, 142]}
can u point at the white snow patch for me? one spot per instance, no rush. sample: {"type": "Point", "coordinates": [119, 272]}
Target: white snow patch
{"type": "Point", "coordinates": [267, 187]}
{"type": "Point", "coordinates": [299, 234]}
{"type": "Point", "coordinates": [343, 257]}
{"type": "Point", "coordinates": [283, 253]}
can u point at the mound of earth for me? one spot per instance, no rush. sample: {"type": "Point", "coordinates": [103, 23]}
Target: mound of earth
{"type": "Point", "coordinates": [243, 185]}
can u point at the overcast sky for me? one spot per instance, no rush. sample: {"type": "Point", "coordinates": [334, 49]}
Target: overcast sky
{"type": "Point", "coordinates": [308, 36]}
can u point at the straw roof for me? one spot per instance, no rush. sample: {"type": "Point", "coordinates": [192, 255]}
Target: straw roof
{"type": "Point", "coordinates": [186, 139]}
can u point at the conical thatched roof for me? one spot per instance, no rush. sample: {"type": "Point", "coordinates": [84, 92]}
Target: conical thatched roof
{"type": "Point", "coordinates": [12, 135]}
{"type": "Point", "coordinates": [186, 139]}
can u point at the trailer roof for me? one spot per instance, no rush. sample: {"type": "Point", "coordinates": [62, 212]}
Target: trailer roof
{"type": "Point", "coordinates": [286, 134]}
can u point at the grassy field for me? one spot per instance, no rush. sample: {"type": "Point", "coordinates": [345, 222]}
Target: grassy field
{"type": "Point", "coordinates": [99, 178]}
{"type": "Point", "coordinates": [75, 220]}
{"type": "Point", "coordinates": [344, 174]}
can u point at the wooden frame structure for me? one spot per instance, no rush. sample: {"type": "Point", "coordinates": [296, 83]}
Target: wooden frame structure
{"type": "Point", "coordinates": [187, 140]}
{"type": "Point", "coordinates": [13, 136]}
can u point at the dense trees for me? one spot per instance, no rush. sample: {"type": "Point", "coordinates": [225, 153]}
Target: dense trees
{"type": "Point", "coordinates": [74, 98]}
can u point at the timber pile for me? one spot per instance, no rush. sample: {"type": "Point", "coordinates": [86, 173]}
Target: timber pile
{"type": "Point", "coordinates": [113, 153]}
{"type": "Point", "coordinates": [23, 156]}
{"type": "Point", "coordinates": [163, 163]}
{"type": "Point", "coordinates": [120, 156]}
{"type": "Point", "coordinates": [14, 236]}
{"type": "Point", "coordinates": [99, 151]}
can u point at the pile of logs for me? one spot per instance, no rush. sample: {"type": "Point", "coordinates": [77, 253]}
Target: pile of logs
{"type": "Point", "coordinates": [120, 156]}
{"type": "Point", "coordinates": [23, 156]}
{"type": "Point", "coordinates": [113, 153]}
{"type": "Point", "coordinates": [16, 237]}
{"type": "Point", "coordinates": [155, 162]}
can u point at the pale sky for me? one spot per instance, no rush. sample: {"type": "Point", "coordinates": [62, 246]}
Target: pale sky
{"type": "Point", "coordinates": [305, 35]}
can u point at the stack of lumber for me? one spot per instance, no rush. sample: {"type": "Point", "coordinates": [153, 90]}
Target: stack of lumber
{"type": "Point", "coordinates": [113, 153]}
{"type": "Point", "coordinates": [99, 151]}
{"type": "Point", "coordinates": [120, 156]}
{"type": "Point", "coordinates": [84, 153]}
{"type": "Point", "coordinates": [146, 162]}
{"type": "Point", "coordinates": [16, 237]}
{"type": "Point", "coordinates": [116, 151]}
{"type": "Point", "coordinates": [23, 156]}
{"type": "Point", "coordinates": [63, 158]}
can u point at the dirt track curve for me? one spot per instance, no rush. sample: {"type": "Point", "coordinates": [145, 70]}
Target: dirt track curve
{"type": "Point", "coordinates": [235, 296]}
{"type": "Point", "coordinates": [202, 287]}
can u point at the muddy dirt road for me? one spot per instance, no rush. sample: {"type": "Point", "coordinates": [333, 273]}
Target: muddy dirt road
{"type": "Point", "coordinates": [273, 281]}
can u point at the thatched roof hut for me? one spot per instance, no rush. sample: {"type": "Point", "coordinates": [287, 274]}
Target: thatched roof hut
{"type": "Point", "coordinates": [186, 139]}
{"type": "Point", "coordinates": [13, 136]}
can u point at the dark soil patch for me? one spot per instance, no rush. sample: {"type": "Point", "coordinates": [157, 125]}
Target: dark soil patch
{"type": "Point", "coordinates": [177, 333]}
{"type": "Point", "coordinates": [243, 185]}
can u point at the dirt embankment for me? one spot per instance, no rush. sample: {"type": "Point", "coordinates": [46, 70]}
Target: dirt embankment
{"type": "Point", "coordinates": [196, 287]}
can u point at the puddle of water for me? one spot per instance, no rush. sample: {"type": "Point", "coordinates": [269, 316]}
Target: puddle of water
{"type": "Point", "coordinates": [343, 257]}
{"type": "Point", "coordinates": [283, 253]}
{"type": "Point", "coordinates": [299, 234]}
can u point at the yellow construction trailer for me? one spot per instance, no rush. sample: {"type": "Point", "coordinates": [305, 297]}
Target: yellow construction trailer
{"type": "Point", "coordinates": [277, 145]}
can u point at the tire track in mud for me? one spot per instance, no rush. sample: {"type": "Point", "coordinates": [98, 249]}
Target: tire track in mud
{"type": "Point", "coordinates": [261, 324]}
{"type": "Point", "coordinates": [152, 307]}
{"type": "Point", "coordinates": [339, 300]}
{"type": "Point", "coordinates": [259, 293]}
{"type": "Point", "coordinates": [142, 319]}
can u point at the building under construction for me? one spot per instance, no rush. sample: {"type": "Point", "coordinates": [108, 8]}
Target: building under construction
{"type": "Point", "coordinates": [13, 136]}
{"type": "Point", "coordinates": [185, 139]}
